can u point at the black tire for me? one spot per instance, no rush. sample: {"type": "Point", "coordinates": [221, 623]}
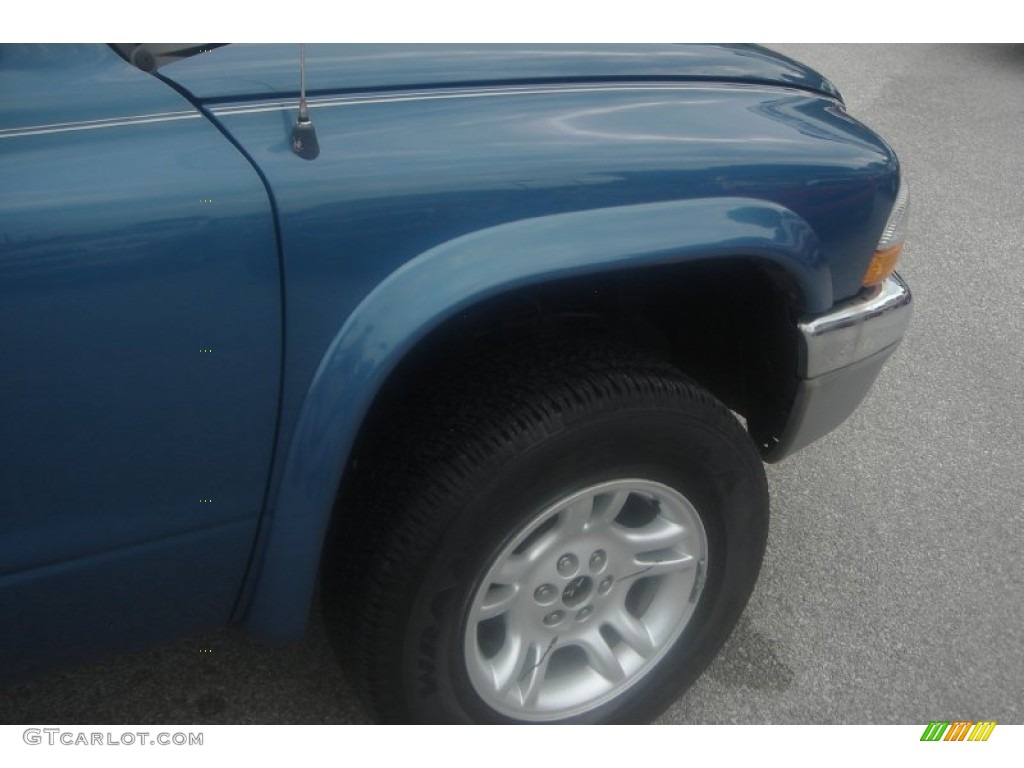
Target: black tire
{"type": "Point", "coordinates": [445, 493]}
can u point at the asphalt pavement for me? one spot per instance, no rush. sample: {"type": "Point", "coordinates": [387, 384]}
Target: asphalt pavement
{"type": "Point", "coordinates": [893, 588]}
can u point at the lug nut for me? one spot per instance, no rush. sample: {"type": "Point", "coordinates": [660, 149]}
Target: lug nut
{"type": "Point", "coordinates": [545, 593]}
{"type": "Point", "coordinates": [567, 565]}
{"type": "Point", "coordinates": [605, 585]}
{"type": "Point", "coordinates": [553, 618]}
{"type": "Point", "coordinates": [585, 611]}
{"type": "Point", "coordinates": [597, 560]}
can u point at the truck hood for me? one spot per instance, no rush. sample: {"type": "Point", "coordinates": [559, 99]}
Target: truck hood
{"type": "Point", "coordinates": [245, 72]}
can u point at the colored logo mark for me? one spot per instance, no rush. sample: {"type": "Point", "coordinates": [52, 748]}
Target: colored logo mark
{"type": "Point", "coordinates": [958, 730]}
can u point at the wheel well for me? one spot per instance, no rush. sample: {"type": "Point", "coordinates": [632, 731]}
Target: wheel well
{"type": "Point", "coordinates": [728, 324]}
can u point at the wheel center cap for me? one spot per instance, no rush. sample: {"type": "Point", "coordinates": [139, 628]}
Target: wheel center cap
{"type": "Point", "coordinates": [577, 590]}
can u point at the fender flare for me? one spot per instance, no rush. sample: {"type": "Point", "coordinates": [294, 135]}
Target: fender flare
{"type": "Point", "coordinates": [432, 287]}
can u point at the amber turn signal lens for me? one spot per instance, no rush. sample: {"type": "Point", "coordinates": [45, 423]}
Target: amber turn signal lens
{"type": "Point", "coordinates": [883, 264]}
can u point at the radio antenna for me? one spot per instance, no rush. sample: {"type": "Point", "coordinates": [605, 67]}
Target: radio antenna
{"type": "Point", "coordinates": [304, 143]}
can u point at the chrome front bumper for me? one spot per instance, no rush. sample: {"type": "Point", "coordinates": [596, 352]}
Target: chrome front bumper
{"type": "Point", "coordinates": [841, 354]}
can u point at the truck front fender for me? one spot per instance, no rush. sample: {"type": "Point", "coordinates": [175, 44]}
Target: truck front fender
{"type": "Point", "coordinates": [451, 277]}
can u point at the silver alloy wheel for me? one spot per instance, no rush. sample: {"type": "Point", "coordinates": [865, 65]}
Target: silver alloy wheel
{"type": "Point", "coordinates": [585, 600]}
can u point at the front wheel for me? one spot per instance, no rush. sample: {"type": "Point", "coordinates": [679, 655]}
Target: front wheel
{"type": "Point", "coordinates": [565, 537]}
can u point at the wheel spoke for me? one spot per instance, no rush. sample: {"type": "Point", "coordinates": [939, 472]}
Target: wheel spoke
{"type": "Point", "coordinates": [663, 562]}
{"type": "Point", "coordinates": [498, 600]}
{"type": "Point", "coordinates": [576, 516]}
{"type": "Point", "coordinates": [607, 507]}
{"type": "Point", "coordinates": [531, 679]}
{"type": "Point", "coordinates": [601, 657]}
{"type": "Point", "coordinates": [519, 670]}
{"type": "Point", "coordinates": [658, 534]}
{"type": "Point", "coordinates": [633, 632]}
{"type": "Point", "coordinates": [507, 665]}
{"type": "Point", "coordinates": [512, 570]}
{"type": "Point", "coordinates": [515, 567]}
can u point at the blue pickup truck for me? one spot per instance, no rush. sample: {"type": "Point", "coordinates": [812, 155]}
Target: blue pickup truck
{"type": "Point", "coordinates": [483, 345]}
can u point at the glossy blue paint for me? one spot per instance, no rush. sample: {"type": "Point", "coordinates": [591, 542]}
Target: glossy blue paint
{"type": "Point", "coordinates": [439, 283]}
{"type": "Point", "coordinates": [395, 179]}
{"type": "Point", "coordinates": [64, 83]}
{"type": "Point", "coordinates": [400, 174]}
{"type": "Point", "coordinates": [125, 251]}
{"type": "Point", "coordinates": [259, 71]}
{"type": "Point", "coordinates": [447, 175]}
{"type": "Point", "coordinates": [130, 597]}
